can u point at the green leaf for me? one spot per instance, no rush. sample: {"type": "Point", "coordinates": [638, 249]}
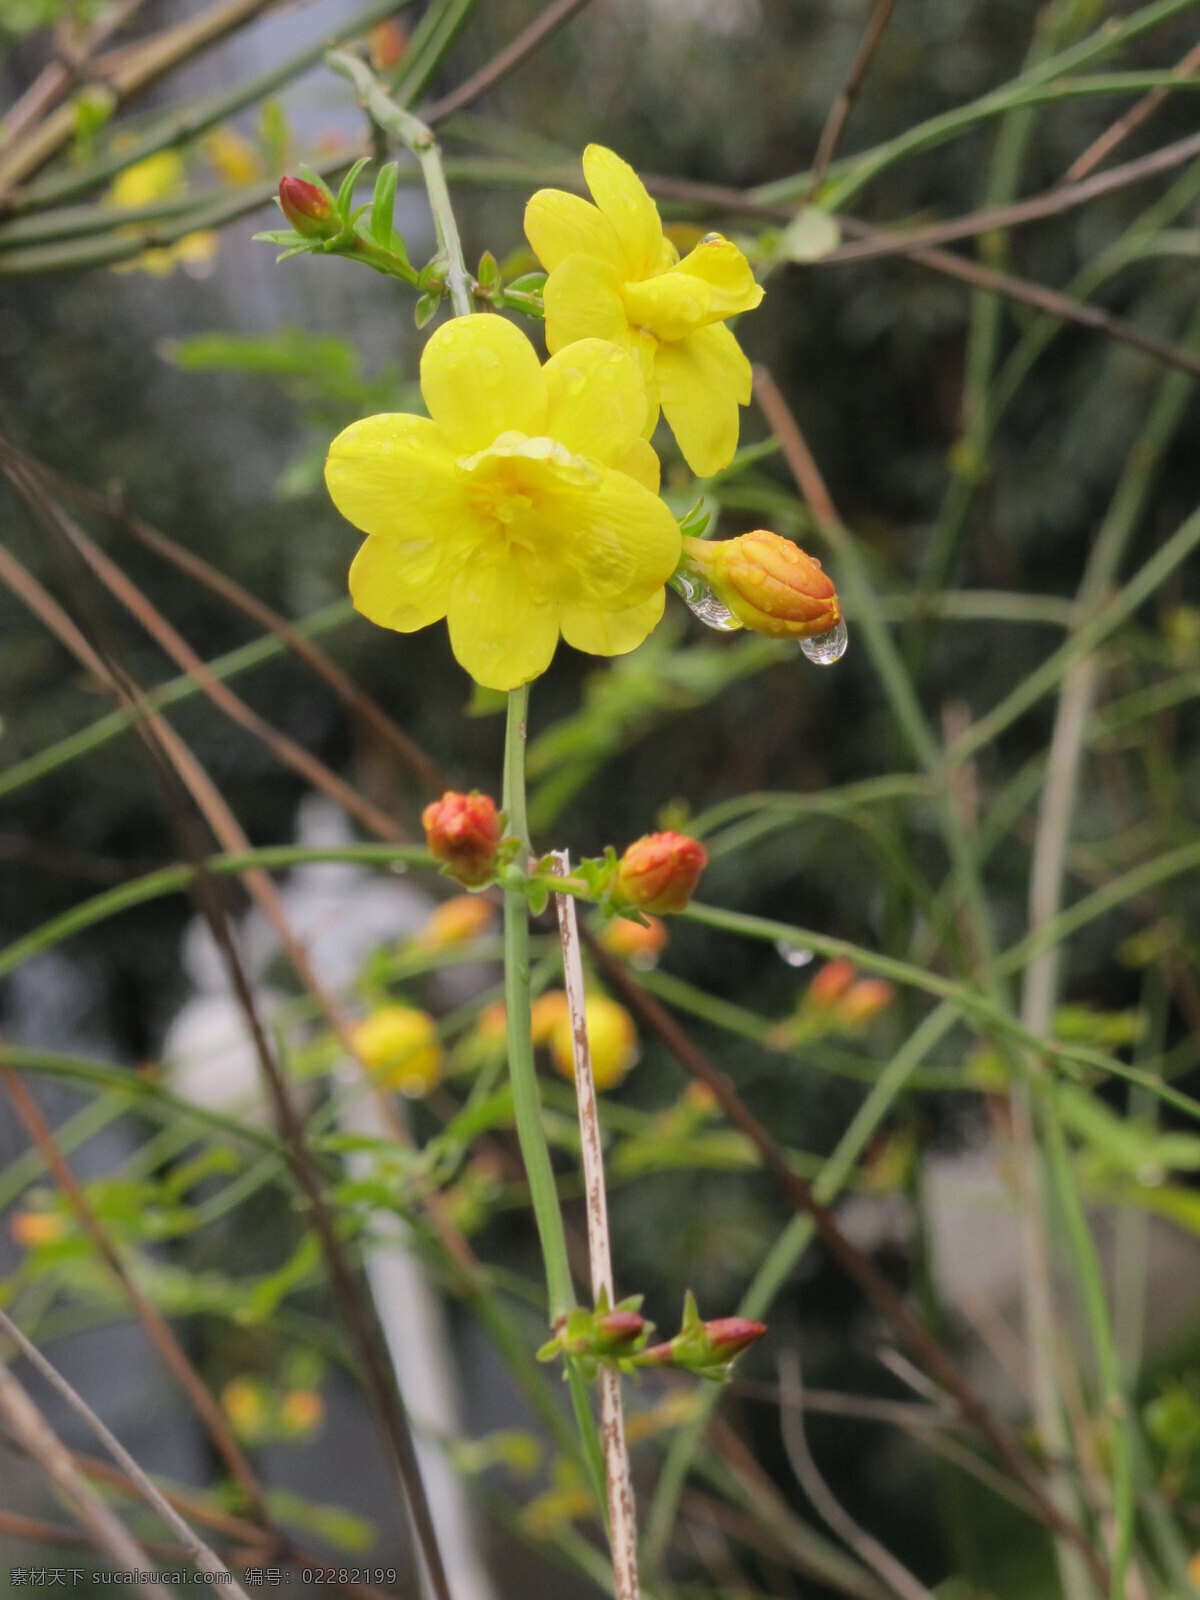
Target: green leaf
{"type": "Point", "coordinates": [383, 204]}
{"type": "Point", "coordinates": [489, 271]}
{"type": "Point", "coordinates": [426, 309]}
{"type": "Point", "coordinates": [345, 195]}
{"type": "Point", "coordinates": [528, 283]}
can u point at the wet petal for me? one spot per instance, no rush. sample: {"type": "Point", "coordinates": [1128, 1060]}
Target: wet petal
{"type": "Point", "coordinates": [597, 398]}
{"type": "Point", "coordinates": [611, 633]}
{"type": "Point", "coordinates": [392, 475]}
{"type": "Point", "coordinates": [612, 544]}
{"type": "Point", "coordinates": [641, 464]}
{"type": "Point", "coordinates": [723, 266]}
{"type": "Point", "coordinates": [500, 631]}
{"type": "Point", "coordinates": [583, 301]}
{"type": "Point", "coordinates": [670, 306]}
{"type": "Point", "coordinates": [558, 225]}
{"type": "Point", "coordinates": [621, 196]}
{"type": "Point", "coordinates": [405, 585]}
{"type": "Point", "coordinates": [702, 380]}
{"type": "Point", "coordinates": [481, 377]}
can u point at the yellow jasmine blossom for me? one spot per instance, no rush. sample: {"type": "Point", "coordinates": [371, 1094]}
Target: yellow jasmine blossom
{"type": "Point", "coordinates": [525, 505]}
{"type": "Point", "coordinates": [614, 275]}
{"type": "Point", "coordinates": [231, 153]}
{"type": "Point", "coordinates": [399, 1046]}
{"type": "Point", "coordinates": [159, 177]}
{"type": "Point", "coordinates": [612, 1042]}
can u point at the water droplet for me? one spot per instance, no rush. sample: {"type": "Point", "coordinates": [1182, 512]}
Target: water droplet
{"type": "Point", "coordinates": [704, 603]}
{"type": "Point", "coordinates": [826, 648]}
{"type": "Point", "coordinates": [713, 238]}
{"type": "Point", "coordinates": [794, 954]}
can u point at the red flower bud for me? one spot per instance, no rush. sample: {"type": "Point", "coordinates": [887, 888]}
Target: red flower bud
{"type": "Point", "coordinates": [731, 1335]}
{"type": "Point", "coordinates": [618, 1330]}
{"type": "Point", "coordinates": [659, 872]}
{"type": "Point", "coordinates": [463, 832]}
{"type": "Point", "coordinates": [308, 208]}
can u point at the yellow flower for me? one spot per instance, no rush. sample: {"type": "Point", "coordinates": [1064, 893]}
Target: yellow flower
{"type": "Point", "coordinates": [455, 922]}
{"type": "Point", "coordinates": [399, 1045]}
{"type": "Point", "coordinates": [159, 177]}
{"type": "Point", "coordinates": [614, 275]}
{"type": "Point", "coordinates": [232, 154]}
{"type": "Point", "coordinates": [527, 506]}
{"type": "Point", "coordinates": [612, 1042]}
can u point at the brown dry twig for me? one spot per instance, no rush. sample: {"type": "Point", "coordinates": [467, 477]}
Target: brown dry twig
{"type": "Point", "coordinates": [843, 103]}
{"type": "Point", "coordinates": [504, 62]}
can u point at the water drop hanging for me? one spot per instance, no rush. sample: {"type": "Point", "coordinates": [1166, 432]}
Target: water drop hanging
{"type": "Point", "coordinates": [796, 955]}
{"type": "Point", "coordinates": [826, 648]}
{"type": "Point", "coordinates": [703, 602]}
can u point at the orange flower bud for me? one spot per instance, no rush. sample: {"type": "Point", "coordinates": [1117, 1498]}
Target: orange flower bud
{"type": "Point", "coordinates": [769, 584]}
{"type": "Point", "coordinates": [300, 1412]}
{"type": "Point", "coordinates": [638, 942]}
{"type": "Point", "coordinates": [33, 1228]}
{"type": "Point", "coordinates": [400, 1045]}
{"type": "Point", "coordinates": [463, 832]}
{"type": "Point", "coordinates": [659, 871]}
{"type": "Point", "coordinates": [455, 922]}
{"type": "Point", "coordinates": [387, 42]}
{"type": "Point", "coordinates": [863, 1001]}
{"type": "Point", "coordinates": [308, 208]}
{"type": "Point", "coordinates": [492, 1022]}
{"type": "Point", "coordinates": [612, 1042]}
{"type": "Point", "coordinates": [830, 984]}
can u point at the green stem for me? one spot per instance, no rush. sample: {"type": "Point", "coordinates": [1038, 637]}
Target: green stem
{"type": "Point", "coordinates": [413, 133]}
{"type": "Point", "coordinates": [527, 1103]}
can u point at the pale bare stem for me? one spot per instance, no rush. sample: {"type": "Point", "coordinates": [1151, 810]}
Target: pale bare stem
{"type": "Point", "coordinates": [204, 1557]}
{"type": "Point", "coordinates": [622, 1516]}
{"type": "Point", "coordinates": [870, 1552]}
{"type": "Point", "coordinates": [39, 1440]}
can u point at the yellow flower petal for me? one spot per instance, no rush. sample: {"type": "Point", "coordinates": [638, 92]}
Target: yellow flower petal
{"type": "Point", "coordinates": [158, 177]}
{"type": "Point", "coordinates": [392, 475]}
{"type": "Point", "coordinates": [582, 299]}
{"type": "Point", "coordinates": [641, 464]}
{"type": "Point", "coordinates": [702, 380]}
{"type": "Point", "coordinates": [405, 585]}
{"type": "Point", "coordinates": [723, 266]}
{"type": "Point", "coordinates": [612, 633]}
{"type": "Point", "coordinates": [597, 399]}
{"type": "Point", "coordinates": [481, 377]}
{"type": "Point", "coordinates": [558, 225]}
{"type": "Point", "coordinates": [616, 542]}
{"type": "Point", "coordinates": [621, 196]}
{"type": "Point", "coordinates": [500, 631]}
{"type": "Point", "coordinates": [670, 306]}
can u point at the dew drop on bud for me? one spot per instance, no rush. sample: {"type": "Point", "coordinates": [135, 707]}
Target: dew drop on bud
{"type": "Point", "coordinates": [826, 648]}
{"type": "Point", "coordinates": [713, 238]}
{"type": "Point", "coordinates": [703, 602]}
{"type": "Point", "coordinates": [796, 955]}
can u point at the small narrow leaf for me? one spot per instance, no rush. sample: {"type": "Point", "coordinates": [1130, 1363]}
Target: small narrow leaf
{"type": "Point", "coordinates": [383, 204]}
{"type": "Point", "coordinates": [426, 309]}
{"type": "Point", "coordinates": [345, 194]}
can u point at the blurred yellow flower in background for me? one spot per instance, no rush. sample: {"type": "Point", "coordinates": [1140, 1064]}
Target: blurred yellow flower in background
{"type": "Point", "coordinates": [527, 506]}
{"type": "Point", "coordinates": [146, 183]}
{"type": "Point", "coordinates": [455, 922]}
{"type": "Point", "coordinates": [612, 1042]}
{"type": "Point", "coordinates": [399, 1045]}
{"type": "Point", "coordinates": [615, 275]}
